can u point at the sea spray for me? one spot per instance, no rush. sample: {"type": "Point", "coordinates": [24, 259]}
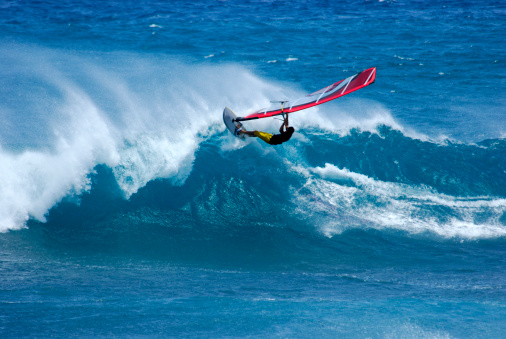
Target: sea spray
{"type": "Point", "coordinates": [144, 118]}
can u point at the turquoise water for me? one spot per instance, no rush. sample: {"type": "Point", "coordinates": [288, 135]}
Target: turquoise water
{"type": "Point", "coordinates": [127, 209]}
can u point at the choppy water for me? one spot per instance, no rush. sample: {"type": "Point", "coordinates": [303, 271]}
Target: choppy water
{"type": "Point", "coordinates": [126, 209]}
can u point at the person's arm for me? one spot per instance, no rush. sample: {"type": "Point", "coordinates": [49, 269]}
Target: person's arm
{"type": "Point", "coordinates": [248, 133]}
{"type": "Point", "coordinates": [285, 124]}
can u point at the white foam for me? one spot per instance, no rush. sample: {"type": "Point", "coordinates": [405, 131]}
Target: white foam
{"type": "Point", "coordinates": [34, 180]}
{"type": "Point", "coordinates": [140, 115]}
{"type": "Point", "coordinates": [354, 113]}
{"type": "Point", "coordinates": [342, 199]}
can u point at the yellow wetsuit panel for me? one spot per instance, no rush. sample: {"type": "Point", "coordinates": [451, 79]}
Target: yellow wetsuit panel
{"type": "Point", "coordinates": [264, 136]}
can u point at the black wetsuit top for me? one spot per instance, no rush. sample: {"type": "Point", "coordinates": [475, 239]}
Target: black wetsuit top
{"type": "Point", "coordinates": [278, 139]}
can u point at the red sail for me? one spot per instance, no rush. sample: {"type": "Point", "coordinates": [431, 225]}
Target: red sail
{"type": "Point", "coordinates": [328, 93]}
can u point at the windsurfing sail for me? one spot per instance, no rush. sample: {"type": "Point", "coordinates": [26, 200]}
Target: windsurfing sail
{"type": "Point", "coordinates": [326, 94]}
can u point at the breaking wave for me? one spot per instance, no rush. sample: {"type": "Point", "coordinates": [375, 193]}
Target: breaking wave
{"type": "Point", "coordinates": [152, 127]}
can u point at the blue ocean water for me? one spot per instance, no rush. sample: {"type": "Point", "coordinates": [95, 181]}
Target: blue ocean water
{"type": "Point", "coordinates": [127, 209]}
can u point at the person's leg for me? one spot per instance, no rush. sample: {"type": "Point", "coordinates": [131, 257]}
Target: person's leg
{"type": "Point", "coordinates": [264, 136]}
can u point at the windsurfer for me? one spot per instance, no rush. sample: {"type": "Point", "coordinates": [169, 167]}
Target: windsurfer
{"type": "Point", "coordinates": [285, 133]}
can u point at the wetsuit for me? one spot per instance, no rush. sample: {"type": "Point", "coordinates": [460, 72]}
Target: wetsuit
{"type": "Point", "coordinates": [276, 139]}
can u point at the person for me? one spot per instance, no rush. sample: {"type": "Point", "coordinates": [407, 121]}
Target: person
{"type": "Point", "coordinates": [285, 133]}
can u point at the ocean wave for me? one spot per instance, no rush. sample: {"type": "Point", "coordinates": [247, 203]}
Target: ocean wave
{"type": "Point", "coordinates": [142, 117]}
{"type": "Point", "coordinates": [147, 118]}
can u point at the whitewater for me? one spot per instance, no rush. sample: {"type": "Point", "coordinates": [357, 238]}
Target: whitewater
{"type": "Point", "coordinates": [128, 209]}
